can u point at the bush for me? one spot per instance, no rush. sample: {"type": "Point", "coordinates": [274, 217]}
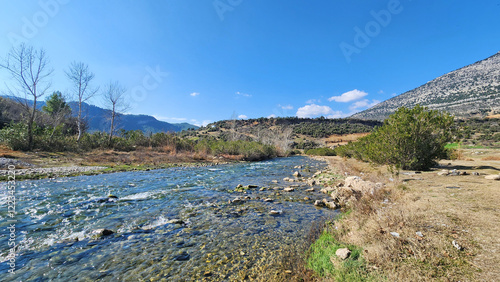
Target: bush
{"type": "Point", "coordinates": [321, 152]}
{"type": "Point", "coordinates": [409, 139]}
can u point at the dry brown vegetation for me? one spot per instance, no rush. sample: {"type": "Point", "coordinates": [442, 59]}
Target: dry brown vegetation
{"type": "Point", "coordinates": [443, 209]}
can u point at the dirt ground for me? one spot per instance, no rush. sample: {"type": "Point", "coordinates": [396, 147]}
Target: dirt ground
{"type": "Point", "coordinates": [461, 208]}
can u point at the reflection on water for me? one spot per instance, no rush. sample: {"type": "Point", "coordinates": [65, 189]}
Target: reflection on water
{"type": "Point", "coordinates": [177, 224]}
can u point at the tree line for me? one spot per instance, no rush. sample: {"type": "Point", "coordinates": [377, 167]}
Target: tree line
{"type": "Point", "coordinates": [30, 71]}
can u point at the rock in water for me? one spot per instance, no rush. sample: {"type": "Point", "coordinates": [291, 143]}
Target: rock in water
{"type": "Point", "coordinates": [319, 203]}
{"type": "Point", "coordinates": [268, 200]}
{"type": "Point", "coordinates": [343, 253]}
{"type": "Point", "coordinates": [102, 232]}
{"type": "Point", "coordinates": [182, 257]}
{"type": "Point", "coordinates": [175, 221]}
{"type": "Point", "coordinates": [310, 190]}
{"type": "Point", "coordinates": [297, 174]}
{"type": "Point", "coordinates": [275, 212]}
{"type": "Point", "coordinates": [288, 189]}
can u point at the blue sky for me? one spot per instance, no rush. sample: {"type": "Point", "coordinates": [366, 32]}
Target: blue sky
{"type": "Point", "coordinates": [199, 61]}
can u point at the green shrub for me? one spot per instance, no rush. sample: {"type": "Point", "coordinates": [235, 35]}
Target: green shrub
{"type": "Point", "coordinates": [321, 152]}
{"type": "Point", "coordinates": [409, 139]}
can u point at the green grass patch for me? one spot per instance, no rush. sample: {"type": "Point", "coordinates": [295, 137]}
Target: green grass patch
{"type": "Point", "coordinates": [320, 260]}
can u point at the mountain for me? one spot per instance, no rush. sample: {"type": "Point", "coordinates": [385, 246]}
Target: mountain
{"type": "Point", "coordinates": [97, 121]}
{"type": "Point", "coordinates": [97, 118]}
{"type": "Point", "coordinates": [470, 91]}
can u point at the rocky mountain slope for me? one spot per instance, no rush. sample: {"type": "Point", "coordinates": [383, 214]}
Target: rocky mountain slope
{"type": "Point", "coordinates": [470, 91]}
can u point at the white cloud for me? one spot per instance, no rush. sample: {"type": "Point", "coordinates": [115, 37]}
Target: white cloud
{"type": "Point", "coordinates": [242, 117]}
{"type": "Point", "coordinates": [194, 94]}
{"type": "Point", "coordinates": [243, 94]}
{"type": "Point", "coordinates": [313, 101]}
{"type": "Point", "coordinates": [363, 104]}
{"type": "Point", "coordinates": [352, 95]}
{"type": "Point", "coordinates": [287, 107]}
{"type": "Point", "coordinates": [314, 110]}
{"type": "Point", "coordinates": [271, 116]}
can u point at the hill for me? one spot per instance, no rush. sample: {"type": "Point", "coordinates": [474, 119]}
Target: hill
{"type": "Point", "coordinates": [97, 118]}
{"type": "Point", "coordinates": [473, 90]}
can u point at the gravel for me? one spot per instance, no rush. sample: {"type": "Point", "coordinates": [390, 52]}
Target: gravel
{"type": "Point", "coordinates": [56, 171]}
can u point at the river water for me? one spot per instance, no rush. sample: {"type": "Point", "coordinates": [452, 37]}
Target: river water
{"type": "Point", "coordinates": [216, 240]}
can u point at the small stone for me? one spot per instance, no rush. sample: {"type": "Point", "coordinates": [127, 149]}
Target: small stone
{"type": "Point", "coordinates": [343, 253]}
{"type": "Point", "coordinates": [242, 253]}
{"type": "Point", "coordinates": [319, 203]}
{"type": "Point", "coordinates": [262, 189]}
{"type": "Point", "coordinates": [306, 198]}
{"type": "Point", "coordinates": [456, 245]}
{"type": "Point", "coordinates": [111, 196]}
{"type": "Point", "coordinates": [310, 190]}
{"type": "Point", "coordinates": [102, 232]}
{"type": "Point", "coordinates": [493, 177]}
{"type": "Point", "coordinates": [182, 257]}
{"type": "Point", "coordinates": [475, 173]}
{"type": "Point", "coordinates": [275, 212]}
{"type": "Point", "coordinates": [286, 179]}
{"type": "Point", "coordinates": [207, 273]}
{"type": "Point", "coordinates": [443, 172]}
{"type": "Point", "coordinates": [268, 200]}
{"type": "Point", "coordinates": [289, 189]}
{"type": "Point", "coordinates": [288, 271]}
{"type": "Point", "coordinates": [274, 181]}
{"type": "Point", "coordinates": [395, 234]}
{"type": "Point", "coordinates": [175, 221]}
{"type": "Point", "coordinates": [297, 174]}
{"type": "Point", "coordinates": [419, 234]}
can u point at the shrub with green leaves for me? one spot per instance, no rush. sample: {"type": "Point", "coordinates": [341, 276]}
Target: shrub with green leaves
{"type": "Point", "coordinates": [321, 152]}
{"type": "Point", "coordinates": [409, 139]}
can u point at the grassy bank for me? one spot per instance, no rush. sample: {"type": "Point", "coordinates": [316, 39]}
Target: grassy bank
{"type": "Point", "coordinates": [410, 229]}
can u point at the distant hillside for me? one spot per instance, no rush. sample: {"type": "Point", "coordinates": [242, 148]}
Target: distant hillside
{"type": "Point", "coordinates": [97, 118]}
{"type": "Point", "coordinates": [307, 128]}
{"type": "Point", "coordinates": [473, 90]}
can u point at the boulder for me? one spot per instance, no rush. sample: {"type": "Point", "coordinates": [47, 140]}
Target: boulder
{"type": "Point", "coordinates": [343, 253]}
{"type": "Point", "coordinates": [329, 204]}
{"type": "Point", "coordinates": [102, 232]}
{"type": "Point", "coordinates": [443, 172]}
{"type": "Point", "coordinates": [360, 186]}
{"type": "Point", "coordinates": [493, 177]}
{"type": "Point", "coordinates": [319, 203]}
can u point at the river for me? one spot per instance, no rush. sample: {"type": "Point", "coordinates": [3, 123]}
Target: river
{"type": "Point", "coordinates": [214, 238]}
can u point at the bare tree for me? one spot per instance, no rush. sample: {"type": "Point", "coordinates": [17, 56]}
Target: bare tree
{"type": "Point", "coordinates": [114, 98]}
{"type": "Point", "coordinates": [30, 70]}
{"type": "Point", "coordinates": [80, 76]}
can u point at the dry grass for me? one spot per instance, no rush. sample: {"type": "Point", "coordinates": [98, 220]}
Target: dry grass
{"type": "Point", "coordinates": [432, 205]}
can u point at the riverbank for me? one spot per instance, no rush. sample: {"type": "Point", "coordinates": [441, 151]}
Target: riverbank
{"type": "Point", "coordinates": [40, 165]}
{"type": "Point", "coordinates": [435, 225]}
